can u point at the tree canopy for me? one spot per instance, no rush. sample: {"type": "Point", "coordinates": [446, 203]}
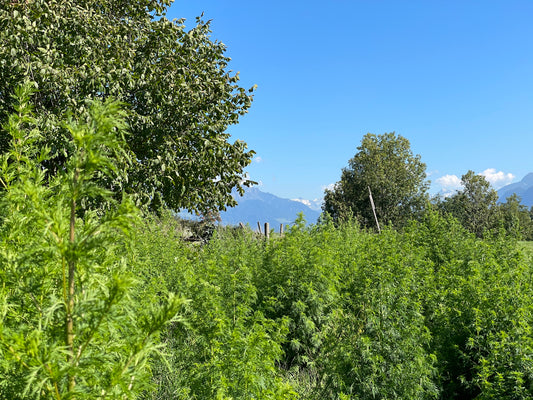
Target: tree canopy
{"type": "Point", "coordinates": [475, 206]}
{"type": "Point", "coordinates": [181, 96]}
{"type": "Point", "coordinates": [516, 218]}
{"type": "Point", "coordinates": [397, 178]}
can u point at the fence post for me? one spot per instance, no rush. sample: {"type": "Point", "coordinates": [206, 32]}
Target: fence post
{"type": "Point", "coordinates": [281, 229]}
{"type": "Point", "coordinates": [259, 227]}
{"type": "Point", "coordinates": [267, 231]}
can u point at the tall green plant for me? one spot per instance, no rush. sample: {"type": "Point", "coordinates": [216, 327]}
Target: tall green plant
{"type": "Point", "coordinates": [377, 345]}
{"type": "Point", "coordinates": [478, 309]}
{"type": "Point", "coordinates": [298, 279]}
{"type": "Point", "coordinates": [227, 349]}
{"type": "Point", "coordinates": [69, 327]}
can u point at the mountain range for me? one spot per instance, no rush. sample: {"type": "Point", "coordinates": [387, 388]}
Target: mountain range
{"type": "Point", "coordinates": [257, 206]}
{"type": "Point", "coordinates": [524, 189]}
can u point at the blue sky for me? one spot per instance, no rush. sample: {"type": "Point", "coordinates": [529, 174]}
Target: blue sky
{"type": "Point", "coordinates": [453, 77]}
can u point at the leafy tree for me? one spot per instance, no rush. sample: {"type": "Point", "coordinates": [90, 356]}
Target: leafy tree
{"type": "Point", "coordinates": [516, 218]}
{"type": "Point", "coordinates": [69, 326]}
{"type": "Point", "coordinates": [475, 206]}
{"type": "Point", "coordinates": [180, 93]}
{"type": "Point", "coordinates": [397, 178]}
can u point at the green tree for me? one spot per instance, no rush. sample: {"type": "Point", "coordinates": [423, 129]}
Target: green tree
{"type": "Point", "coordinates": [397, 178]}
{"type": "Point", "coordinates": [516, 218]}
{"type": "Point", "coordinates": [475, 206]}
{"type": "Point", "coordinates": [180, 93]}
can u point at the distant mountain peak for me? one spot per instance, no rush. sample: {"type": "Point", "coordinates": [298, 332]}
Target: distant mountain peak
{"type": "Point", "coordinates": [258, 206]}
{"type": "Point", "coordinates": [524, 189]}
{"type": "Point", "coordinates": [528, 179]}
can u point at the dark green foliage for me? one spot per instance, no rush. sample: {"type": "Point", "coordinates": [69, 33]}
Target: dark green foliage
{"type": "Point", "coordinates": [397, 178]}
{"type": "Point", "coordinates": [180, 95]}
{"type": "Point", "coordinates": [478, 305]}
{"type": "Point", "coordinates": [297, 279]}
{"type": "Point", "coordinates": [516, 218]}
{"type": "Point", "coordinates": [329, 312]}
{"type": "Point", "coordinates": [377, 343]}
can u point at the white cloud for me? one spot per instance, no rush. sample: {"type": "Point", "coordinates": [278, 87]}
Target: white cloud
{"type": "Point", "coordinates": [449, 184]}
{"type": "Point", "coordinates": [315, 204]}
{"type": "Point", "coordinates": [304, 201]}
{"type": "Point", "coordinates": [497, 179]}
{"type": "Point", "coordinates": [258, 159]}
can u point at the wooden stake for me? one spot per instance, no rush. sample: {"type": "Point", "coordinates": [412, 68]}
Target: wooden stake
{"type": "Point", "coordinates": [374, 209]}
{"type": "Point", "coordinates": [267, 230]}
{"type": "Point", "coordinates": [259, 227]}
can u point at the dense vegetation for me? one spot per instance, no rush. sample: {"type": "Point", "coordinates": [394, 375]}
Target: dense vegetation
{"type": "Point", "coordinates": [340, 313]}
{"type": "Point", "coordinates": [101, 303]}
{"type": "Point", "coordinates": [102, 300]}
{"type": "Point", "coordinates": [385, 183]}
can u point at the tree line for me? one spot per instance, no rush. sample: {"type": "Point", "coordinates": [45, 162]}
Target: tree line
{"type": "Point", "coordinates": [386, 166]}
{"type": "Point", "coordinates": [179, 98]}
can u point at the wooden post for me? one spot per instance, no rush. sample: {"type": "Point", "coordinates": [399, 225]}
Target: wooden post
{"type": "Point", "coordinates": [267, 231]}
{"type": "Point", "coordinates": [281, 229]}
{"type": "Point", "coordinates": [259, 227]}
{"type": "Point", "coordinates": [374, 209]}
{"type": "Point", "coordinates": [241, 225]}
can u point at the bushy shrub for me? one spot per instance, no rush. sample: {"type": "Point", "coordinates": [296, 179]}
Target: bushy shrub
{"type": "Point", "coordinates": [478, 303]}
{"type": "Point", "coordinates": [227, 349]}
{"type": "Point", "coordinates": [298, 279]}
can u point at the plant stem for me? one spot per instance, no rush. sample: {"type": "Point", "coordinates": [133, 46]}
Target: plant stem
{"type": "Point", "coordinates": [71, 272]}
